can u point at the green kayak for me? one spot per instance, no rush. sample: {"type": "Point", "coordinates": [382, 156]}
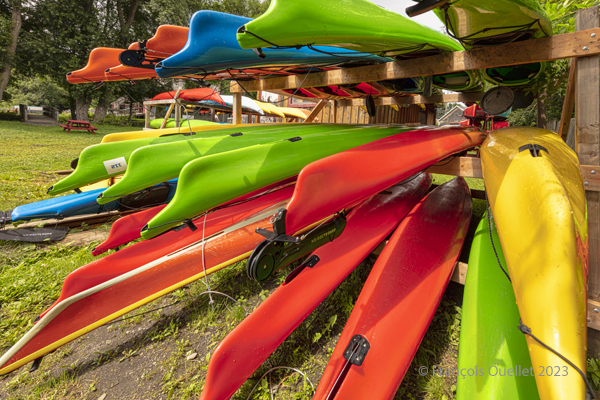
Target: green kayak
{"type": "Point", "coordinates": [105, 160]}
{"type": "Point", "coordinates": [159, 163]}
{"type": "Point", "coordinates": [486, 23]}
{"type": "Point", "coordinates": [156, 123]}
{"type": "Point", "coordinates": [212, 180]}
{"type": "Point", "coordinates": [352, 24]}
{"type": "Point", "coordinates": [493, 359]}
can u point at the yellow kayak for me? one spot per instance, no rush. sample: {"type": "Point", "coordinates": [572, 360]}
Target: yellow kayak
{"type": "Point", "coordinates": [270, 109]}
{"type": "Point", "coordinates": [118, 137]}
{"type": "Point", "coordinates": [537, 198]}
{"type": "Point", "coordinates": [292, 112]}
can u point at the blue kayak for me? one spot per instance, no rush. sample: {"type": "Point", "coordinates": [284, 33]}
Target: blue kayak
{"type": "Point", "coordinates": [212, 46]}
{"type": "Point", "coordinates": [85, 203]}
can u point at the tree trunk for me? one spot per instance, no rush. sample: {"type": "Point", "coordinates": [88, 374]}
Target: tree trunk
{"type": "Point", "coordinates": [12, 48]}
{"type": "Point", "coordinates": [101, 108]}
{"type": "Point", "coordinates": [82, 105]}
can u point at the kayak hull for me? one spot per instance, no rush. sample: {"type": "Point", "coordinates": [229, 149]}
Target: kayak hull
{"type": "Point", "coordinates": [545, 246]}
{"type": "Point", "coordinates": [255, 338]}
{"type": "Point", "coordinates": [114, 285]}
{"type": "Point", "coordinates": [488, 338]}
{"type": "Point", "coordinates": [406, 284]}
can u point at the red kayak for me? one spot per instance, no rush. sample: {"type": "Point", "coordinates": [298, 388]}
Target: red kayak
{"type": "Point", "coordinates": [198, 94]}
{"type": "Point", "coordinates": [256, 337]}
{"type": "Point", "coordinates": [399, 299]}
{"type": "Point", "coordinates": [127, 229]}
{"type": "Point", "coordinates": [114, 285]}
{"type": "Point", "coordinates": [353, 176]}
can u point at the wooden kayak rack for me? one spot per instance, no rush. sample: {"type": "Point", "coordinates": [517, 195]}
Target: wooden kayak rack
{"type": "Point", "coordinates": [583, 93]}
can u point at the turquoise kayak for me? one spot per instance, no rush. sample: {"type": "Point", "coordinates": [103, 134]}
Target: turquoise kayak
{"type": "Point", "coordinates": [159, 163]}
{"type": "Point", "coordinates": [212, 180]}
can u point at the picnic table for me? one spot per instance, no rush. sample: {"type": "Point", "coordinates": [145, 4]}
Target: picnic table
{"type": "Point", "coordinates": [78, 126]}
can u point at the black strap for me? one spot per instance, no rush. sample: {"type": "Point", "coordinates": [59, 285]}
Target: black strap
{"type": "Point", "coordinates": [527, 331]}
{"type": "Point", "coordinates": [490, 216]}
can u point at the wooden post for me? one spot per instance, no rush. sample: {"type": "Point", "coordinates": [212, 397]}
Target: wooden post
{"type": "Point", "coordinates": [147, 117]}
{"type": "Point", "coordinates": [162, 126]}
{"type": "Point", "coordinates": [315, 111]}
{"type": "Point", "coordinates": [587, 134]}
{"type": "Point", "coordinates": [565, 117]}
{"type": "Point", "coordinates": [430, 109]}
{"type": "Point", "coordinates": [212, 114]}
{"type": "Point", "coordinates": [177, 115]}
{"type": "Point", "coordinates": [334, 111]}
{"type": "Point", "coordinates": [237, 108]}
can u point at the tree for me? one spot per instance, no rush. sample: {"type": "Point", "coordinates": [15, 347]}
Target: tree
{"type": "Point", "coordinates": [9, 42]}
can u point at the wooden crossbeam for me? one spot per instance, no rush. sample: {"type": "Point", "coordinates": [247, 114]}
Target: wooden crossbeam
{"type": "Point", "coordinates": [389, 101]}
{"type": "Point", "coordinates": [315, 111]}
{"type": "Point", "coordinates": [577, 44]}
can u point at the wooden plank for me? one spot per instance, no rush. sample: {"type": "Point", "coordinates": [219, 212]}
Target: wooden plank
{"type": "Point", "coordinates": [593, 314]}
{"type": "Point", "coordinates": [591, 177]}
{"type": "Point", "coordinates": [460, 273]}
{"type": "Point", "coordinates": [315, 111]}
{"type": "Point", "coordinates": [237, 108]}
{"type": "Point", "coordinates": [147, 117]}
{"type": "Point", "coordinates": [567, 111]}
{"type": "Point", "coordinates": [577, 44]}
{"type": "Point", "coordinates": [587, 135]}
{"type": "Point", "coordinates": [445, 98]}
{"type": "Point", "coordinates": [469, 167]}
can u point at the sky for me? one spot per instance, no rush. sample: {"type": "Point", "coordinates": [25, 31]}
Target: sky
{"type": "Point", "coordinates": [398, 6]}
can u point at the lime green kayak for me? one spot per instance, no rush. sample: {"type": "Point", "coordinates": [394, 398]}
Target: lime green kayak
{"type": "Point", "coordinates": [352, 24]}
{"type": "Point", "coordinates": [212, 180]}
{"type": "Point", "coordinates": [486, 23]}
{"type": "Point", "coordinates": [490, 344]}
{"type": "Point", "coordinates": [491, 22]}
{"type": "Point", "coordinates": [159, 163]}
{"type": "Point", "coordinates": [105, 160]}
{"type": "Point", "coordinates": [156, 123]}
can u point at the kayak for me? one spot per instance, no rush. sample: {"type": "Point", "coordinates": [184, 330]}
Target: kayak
{"type": "Point", "coordinates": [489, 343]}
{"type": "Point", "coordinates": [212, 47]}
{"type": "Point", "coordinates": [127, 229]}
{"type": "Point", "coordinates": [246, 347]}
{"type": "Point", "coordinates": [154, 133]}
{"type": "Point", "coordinates": [518, 75]}
{"type": "Point", "coordinates": [123, 281]}
{"type": "Point", "coordinates": [104, 160]}
{"type": "Point", "coordinates": [100, 59]}
{"type": "Point", "coordinates": [159, 163]}
{"type": "Point", "coordinates": [185, 123]}
{"type": "Point", "coordinates": [244, 170]}
{"type": "Point", "coordinates": [546, 247]}
{"type": "Point", "coordinates": [354, 175]}
{"type": "Point", "coordinates": [491, 23]}
{"type": "Point", "coordinates": [270, 109]}
{"type": "Point", "coordinates": [352, 24]}
{"type": "Point", "coordinates": [494, 22]}
{"type": "Point", "coordinates": [291, 112]}
{"type": "Point", "coordinates": [356, 25]}
{"type": "Point", "coordinates": [406, 284]}
{"type": "Point", "coordinates": [197, 94]}
{"type": "Point", "coordinates": [85, 203]}
{"type": "Point", "coordinates": [248, 105]}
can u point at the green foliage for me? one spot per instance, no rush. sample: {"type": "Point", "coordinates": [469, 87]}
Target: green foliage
{"type": "Point", "coordinates": [9, 116]}
{"type": "Point", "coordinates": [593, 373]}
{"type": "Point", "coordinates": [528, 116]}
{"type": "Point", "coordinates": [38, 90]}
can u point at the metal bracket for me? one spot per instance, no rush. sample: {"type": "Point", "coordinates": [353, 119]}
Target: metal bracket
{"type": "Point", "coordinates": [357, 350]}
{"type": "Point", "coordinates": [309, 262]}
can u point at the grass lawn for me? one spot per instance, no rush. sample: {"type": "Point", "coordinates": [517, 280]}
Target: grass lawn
{"type": "Point", "coordinates": [164, 353]}
{"type": "Point", "coordinates": [28, 154]}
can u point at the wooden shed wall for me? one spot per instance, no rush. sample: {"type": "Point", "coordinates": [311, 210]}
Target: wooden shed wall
{"type": "Point", "coordinates": [383, 115]}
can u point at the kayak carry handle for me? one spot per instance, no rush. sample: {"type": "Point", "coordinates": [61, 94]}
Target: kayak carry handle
{"type": "Point", "coordinates": [423, 7]}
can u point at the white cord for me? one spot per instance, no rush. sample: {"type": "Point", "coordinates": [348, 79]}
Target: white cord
{"type": "Point", "coordinates": [211, 301]}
